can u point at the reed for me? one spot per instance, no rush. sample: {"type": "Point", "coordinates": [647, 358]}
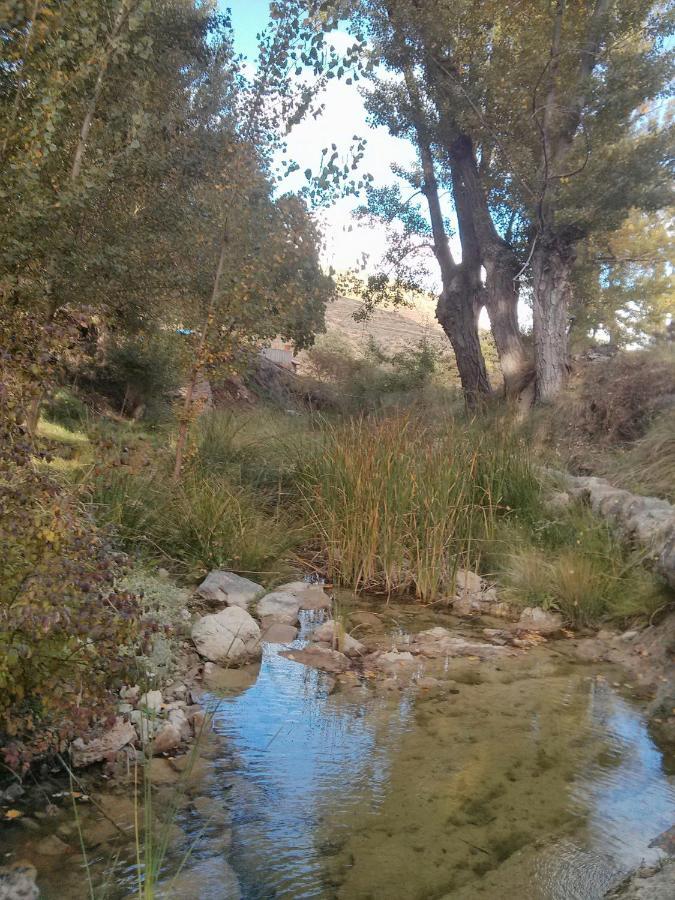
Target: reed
{"type": "Point", "coordinates": [399, 505]}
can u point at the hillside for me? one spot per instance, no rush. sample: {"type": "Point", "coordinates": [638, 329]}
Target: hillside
{"type": "Point", "coordinates": [393, 329]}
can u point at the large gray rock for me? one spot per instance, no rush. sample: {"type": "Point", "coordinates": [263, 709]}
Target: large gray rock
{"type": "Point", "coordinates": [231, 636]}
{"type": "Point", "coordinates": [84, 753]}
{"type": "Point", "coordinates": [279, 606]}
{"type": "Point", "coordinates": [647, 883]}
{"type": "Point", "coordinates": [17, 882]}
{"type": "Point", "coordinates": [311, 596]}
{"type": "Point", "coordinates": [534, 618]}
{"type": "Point", "coordinates": [648, 521]}
{"type": "Point", "coordinates": [228, 589]}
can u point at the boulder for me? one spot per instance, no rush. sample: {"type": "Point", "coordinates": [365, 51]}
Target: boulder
{"type": "Point", "coordinates": [178, 718]}
{"type": "Point", "coordinates": [151, 702]}
{"type": "Point", "coordinates": [534, 618]}
{"type": "Point", "coordinates": [212, 877]}
{"type": "Point", "coordinates": [338, 639]}
{"type": "Point", "coordinates": [84, 753]}
{"type": "Point", "coordinates": [311, 596]}
{"type": "Point", "coordinates": [279, 606]}
{"type": "Point", "coordinates": [320, 658]}
{"type": "Point", "coordinates": [231, 636]}
{"type": "Point", "coordinates": [467, 582]}
{"type": "Point", "coordinates": [168, 737]}
{"type": "Point", "coordinates": [229, 589]}
{"type": "Point", "coordinates": [279, 633]}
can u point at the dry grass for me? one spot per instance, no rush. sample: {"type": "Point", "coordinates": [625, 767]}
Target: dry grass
{"type": "Point", "coordinates": [399, 505]}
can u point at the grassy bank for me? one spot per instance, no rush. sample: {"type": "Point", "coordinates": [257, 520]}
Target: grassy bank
{"type": "Point", "coordinates": [392, 503]}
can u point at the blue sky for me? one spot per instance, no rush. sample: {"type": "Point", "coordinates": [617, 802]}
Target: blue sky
{"type": "Point", "coordinates": [345, 116]}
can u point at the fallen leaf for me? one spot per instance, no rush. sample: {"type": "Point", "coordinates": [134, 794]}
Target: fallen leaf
{"type": "Point", "coordinates": [13, 814]}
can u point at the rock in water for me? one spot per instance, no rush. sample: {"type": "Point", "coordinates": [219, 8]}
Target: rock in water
{"type": "Point", "coordinates": [229, 589]}
{"type": "Point", "coordinates": [338, 638]}
{"type": "Point", "coordinates": [209, 879]}
{"type": "Point", "coordinates": [279, 633]}
{"type": "Point", "coordinates": [17, 882]}
{"type": "Point", "coordinates": [106, 746]}
{"type": "Point", "coordinates": [279, 606]}
{"type": "Point", "coordinates": [438, 642]}
{"type": "Point", "coordinates": [534, 618]}
{"type": "Point", "coordinates": [231, 636]}
{"type": "Point", "coordinates": [320, 658]}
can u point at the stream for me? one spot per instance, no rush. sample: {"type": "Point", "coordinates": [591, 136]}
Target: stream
{"type": "Point", "coordinates": [530, 777]}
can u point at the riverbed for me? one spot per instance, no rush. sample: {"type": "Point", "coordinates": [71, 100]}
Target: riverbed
{"type": "Point", "coordinates": [532, 776]}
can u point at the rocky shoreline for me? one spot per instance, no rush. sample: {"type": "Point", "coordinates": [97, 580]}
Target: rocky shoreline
{"type": "Point", "coordinates": [165, 730]}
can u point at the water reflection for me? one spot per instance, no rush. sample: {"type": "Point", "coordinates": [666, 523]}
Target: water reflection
{"type": "Point", "coordinates": [303, 755]}
{"type": "Point", "coordinates": [532, 780]}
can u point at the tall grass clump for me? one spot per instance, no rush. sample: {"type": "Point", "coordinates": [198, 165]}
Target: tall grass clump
{"type": "Point", "coordinates": [575, 563]}
{"type": "Point", "coordinates": [201, 523]}
{"type": "Point", "coordinates": [399, 505]}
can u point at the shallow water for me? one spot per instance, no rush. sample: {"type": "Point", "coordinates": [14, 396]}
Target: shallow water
{"type": "Point", "coordinates": [535, 778]}
{"type": "Point", "coordinates": [525, 778]}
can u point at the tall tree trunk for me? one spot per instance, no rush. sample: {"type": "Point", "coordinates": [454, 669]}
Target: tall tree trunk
{"type": "Point", "coordinates": [459, 304]}
{"type": "Point", "coordinates": [459, 320]}
{"type": "Point", "coordinates": [499, 260]}
{"type": "Point", "coordinates": [552, 264]}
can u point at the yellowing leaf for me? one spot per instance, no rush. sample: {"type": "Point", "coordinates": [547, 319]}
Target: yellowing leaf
{"type": "Point", "coordinates": [13, 814]}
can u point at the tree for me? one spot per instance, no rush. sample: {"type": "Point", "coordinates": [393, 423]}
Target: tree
{"type": "Point", "coordinates": [623, 283]}
{"type": "Point", "coordinates": [531, 107]}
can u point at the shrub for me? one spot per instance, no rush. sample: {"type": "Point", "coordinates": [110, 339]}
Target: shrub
{"type": "Point", "coordinates": [66, 409]}
{"type": "Point", "coordinates": [648, 467]}
{"type": "Point", "coordinates": [63, 626]}
{"type": "Point", "coordinates": [141, 373]}
{"type": "Point", "coordinates": [574, 563]}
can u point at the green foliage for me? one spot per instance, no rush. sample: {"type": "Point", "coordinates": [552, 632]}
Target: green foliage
{"type": "Point", "coordinates": [141, 373]}
{"type": "Point", "coordinates": [576, 564]}
{"type": "Point", "coordinates": [648, 467]}
{"type": "Point", "coordinates": [63, 626]}
{"type": "Point", "coordinates": [374, 379]}
{"type": "Point", "coordinates": [203, 522]}
{"type": "Point", "coordinates": [65, 408]}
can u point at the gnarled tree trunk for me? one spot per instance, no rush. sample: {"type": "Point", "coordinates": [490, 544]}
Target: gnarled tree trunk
{"type": "Point", "coordinates": [458, 316]}
{"type": "Point", "coordinates": [552, 264]}
{"type": "Point", "coordinates": [499, 260]}
{"type": "Point", "coordinates": [460, 301]}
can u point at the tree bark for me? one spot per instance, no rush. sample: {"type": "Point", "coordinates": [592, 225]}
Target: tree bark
{"type": "Point", "coordinates": [478, 233]}
{"type": "Point", "coordinates": [552, 264]}
{"type": "Point", "coordinates": [459, 320]}
{"type": "Point", "coordinates": [460, 301]}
